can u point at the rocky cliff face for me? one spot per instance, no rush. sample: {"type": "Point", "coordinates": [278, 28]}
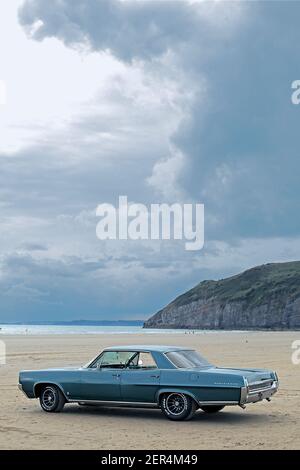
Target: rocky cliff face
{"type": "Point", "coordinates": [264, 297]}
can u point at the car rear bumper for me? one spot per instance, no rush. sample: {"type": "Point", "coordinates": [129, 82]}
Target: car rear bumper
{"type": "Point", "coordinates": [254, 395]}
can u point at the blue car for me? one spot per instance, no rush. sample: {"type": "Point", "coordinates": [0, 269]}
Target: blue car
{"type": "Point", "coordinates": [177, 380]}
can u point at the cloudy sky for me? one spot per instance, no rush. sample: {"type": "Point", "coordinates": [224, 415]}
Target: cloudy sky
{"type": "Point", "coordinates": [162, 101]}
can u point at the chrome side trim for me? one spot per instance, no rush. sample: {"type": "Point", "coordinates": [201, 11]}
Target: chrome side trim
{"type": "Point", "coordinates": [228, 403]}
{"type": "Point", "coordinates": [117, 403]}
{"type": "Point", "coordinates": [146, 404]}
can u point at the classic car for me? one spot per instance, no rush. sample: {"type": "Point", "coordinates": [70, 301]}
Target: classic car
{"type": "Point", "coordinates": [176, 380]}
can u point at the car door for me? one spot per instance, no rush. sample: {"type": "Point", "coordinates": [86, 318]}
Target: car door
{"type": "Point", "coordinates": [100, 384]}
{"type": "Point", "coordinates": [140, 379]}
{"type": "Point", "coordinates": [101, 381]}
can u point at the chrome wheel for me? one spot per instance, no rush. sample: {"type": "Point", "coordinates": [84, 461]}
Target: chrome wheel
{"type": "Point", "coordinates": [177, 406]}
{"type": "Point", "coordinates": [176, 403]}
{"type": "Point", "coordinates": [49, 398]}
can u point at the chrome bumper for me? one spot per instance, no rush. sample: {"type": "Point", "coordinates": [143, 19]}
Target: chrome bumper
{"type": "Point", "coordinates": [259, 394]}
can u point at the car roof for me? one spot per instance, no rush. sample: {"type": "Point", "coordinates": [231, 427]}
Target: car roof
{"type": "Point", "coordinates": [147, 348]}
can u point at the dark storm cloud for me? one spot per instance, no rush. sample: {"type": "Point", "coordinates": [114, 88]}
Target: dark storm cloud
{"type": "Point", "coordinates": [243, 142]}
{"type": "Point", "coordinates": [131, 29]}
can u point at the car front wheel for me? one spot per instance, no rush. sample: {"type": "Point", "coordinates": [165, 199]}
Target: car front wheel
{"type": "Point", "coordinates": [178, 406]}
{"type": "Point", "coordinates": [211, 409]}
{"type": "Point", "coordinates": [52, 399]}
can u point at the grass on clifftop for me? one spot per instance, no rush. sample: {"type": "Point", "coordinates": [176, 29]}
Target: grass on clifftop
{"type": "Point", "coordinates": [255, 285]}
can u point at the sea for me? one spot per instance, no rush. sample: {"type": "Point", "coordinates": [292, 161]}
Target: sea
{"type": "Point", "coordinates": [93, 330]}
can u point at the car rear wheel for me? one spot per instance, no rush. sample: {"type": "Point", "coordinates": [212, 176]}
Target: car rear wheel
{"type": "Point", "coordinates": [211, 409]}
{"type": "Point", "coordinates": [52, 399]}
{"type": "Point", "coordinates": [178, 406]}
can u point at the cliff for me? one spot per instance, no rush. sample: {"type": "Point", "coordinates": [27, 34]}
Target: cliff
{"type": "Point", "coordinates": [264, 297]}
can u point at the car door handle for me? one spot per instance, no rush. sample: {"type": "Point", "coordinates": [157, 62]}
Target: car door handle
{"type": "Point", "coordinates": [116, 375]}
{"type": "Point", "coordinates": [155, 376]}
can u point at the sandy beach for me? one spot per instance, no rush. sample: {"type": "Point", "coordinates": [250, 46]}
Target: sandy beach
{"type": "Point", "coordinates": [274, 425]}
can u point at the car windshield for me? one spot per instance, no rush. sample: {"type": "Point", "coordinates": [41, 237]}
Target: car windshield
{"type": "Point", "coordinates": [187, 359]}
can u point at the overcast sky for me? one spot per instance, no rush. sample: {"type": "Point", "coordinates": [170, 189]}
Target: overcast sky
{"type": "Point", "coordinates": [162, 101]}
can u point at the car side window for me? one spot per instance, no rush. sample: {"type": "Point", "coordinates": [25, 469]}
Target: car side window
{"type": "Point", "coordinates": [142, 361]}
{"type": "Point", "coordinates": [113, 359]}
